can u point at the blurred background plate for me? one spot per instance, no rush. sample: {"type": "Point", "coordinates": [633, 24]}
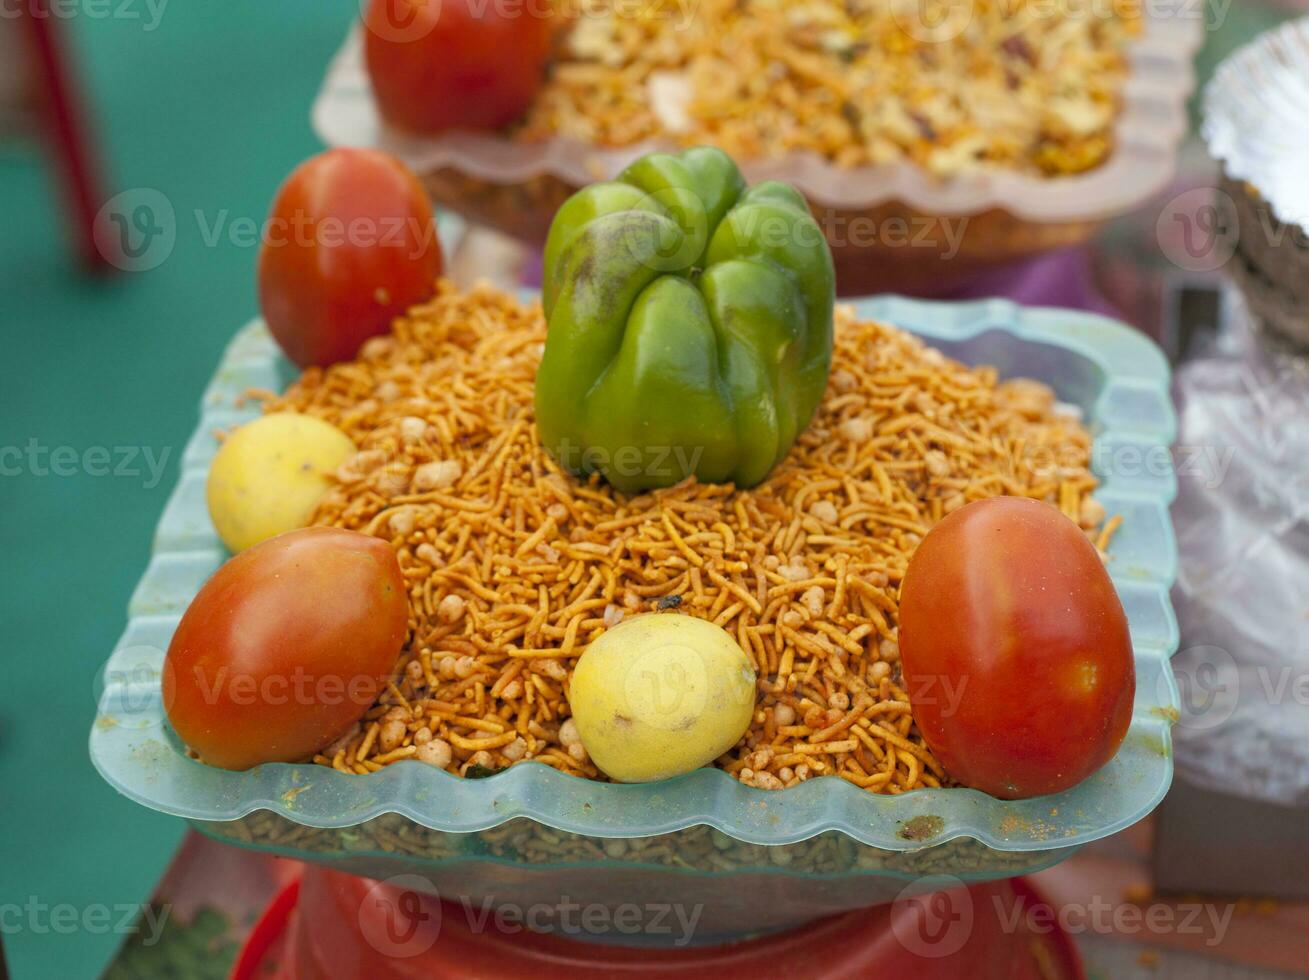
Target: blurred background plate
{"type": "Point", "coordinates": [1256, 124]}
{"type": "Point", "coordinates": [959, 229]}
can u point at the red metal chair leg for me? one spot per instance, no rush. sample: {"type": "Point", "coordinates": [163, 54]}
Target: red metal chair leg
{"type": "Point", "coordinates": [62, 119]}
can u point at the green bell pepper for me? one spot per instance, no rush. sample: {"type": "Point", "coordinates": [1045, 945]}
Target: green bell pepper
{"type": "Point", "coordinates": [690, 324]}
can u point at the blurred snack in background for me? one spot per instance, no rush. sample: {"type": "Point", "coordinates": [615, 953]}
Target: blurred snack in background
{"type": "Point", "coordinates": [952, 89]}
{"type": "Point", "coordinates": [933, 143]}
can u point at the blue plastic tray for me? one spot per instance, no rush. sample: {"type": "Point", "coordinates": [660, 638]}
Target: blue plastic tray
{"type": "Point", "coordinates": [1117, 377]}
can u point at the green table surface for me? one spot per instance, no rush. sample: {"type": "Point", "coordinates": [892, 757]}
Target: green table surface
{"type": "Point", "coordinates": [207, 104]}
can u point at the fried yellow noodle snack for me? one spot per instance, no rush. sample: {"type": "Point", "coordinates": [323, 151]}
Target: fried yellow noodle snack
{"type": "Point", "coordinates": [515, 566]}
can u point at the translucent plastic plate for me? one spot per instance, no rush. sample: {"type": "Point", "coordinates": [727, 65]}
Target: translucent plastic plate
{"type": "Point", "coordinates": [961, 227]}
{"type": "Point", "coordinates": [1114, 375]}
{"type": "Point", "coordinates": [1151, 123]}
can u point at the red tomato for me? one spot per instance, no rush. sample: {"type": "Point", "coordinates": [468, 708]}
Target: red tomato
{"type": "Point", "coordinates": [455, 64]}
{"type": "Point", "coordinates": [1015, 650]}
{"type": "Point", "coordinates": [350, 245]}
{"type": "Point", "coordinates": [285, 647]}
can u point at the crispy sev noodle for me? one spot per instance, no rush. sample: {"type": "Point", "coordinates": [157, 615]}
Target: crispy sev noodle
{"type": "Point", "coordinates": [514, 566]}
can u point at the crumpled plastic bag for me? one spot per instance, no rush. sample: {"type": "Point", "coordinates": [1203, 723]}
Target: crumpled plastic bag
{"type": "Point", "coordinates": [1242, 594]}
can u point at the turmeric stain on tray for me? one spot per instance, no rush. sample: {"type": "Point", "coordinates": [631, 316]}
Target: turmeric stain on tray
{"type": "Point", "coordinates": [922, 828]}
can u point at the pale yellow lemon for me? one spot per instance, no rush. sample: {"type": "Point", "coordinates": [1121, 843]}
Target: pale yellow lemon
{"type": "Point", "coordinates": [659, 695]}
{"type": "Point", "coordinates": [269, 475]}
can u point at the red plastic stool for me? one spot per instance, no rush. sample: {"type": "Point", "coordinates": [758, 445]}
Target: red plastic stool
{"type": "Point", "coordinates": [336, 925]}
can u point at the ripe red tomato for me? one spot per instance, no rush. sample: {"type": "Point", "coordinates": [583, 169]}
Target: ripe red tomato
{"type": "Point", "coordinates": [455, 64]}
{"type": "Point", "coordinates": [350, 245]}
{"type": "Point", "coordinates": [286, 646]}
{"type": "Point", "coordinates": [1015, 649]}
